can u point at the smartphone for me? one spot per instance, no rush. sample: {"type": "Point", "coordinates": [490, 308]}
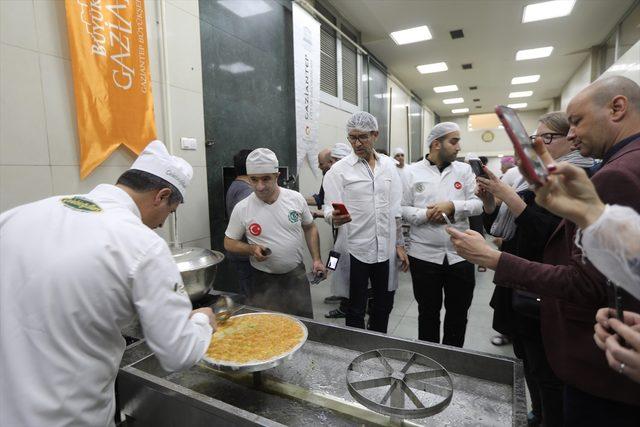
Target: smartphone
{"type": "Point", "coordinates": [314, 279]}
{"type": "Point", "coordinates": [266, 252]}
{"type": "Point", "coordinates": [530, 164]}
{"type": "Point", "coordinates": [332, 262]}
{"type": "Point", "coordinates": [340, 207]}
{"type": "Point", "coordinates": [476, 166]}
{"type": "Point", "coordinates": [446, 218]}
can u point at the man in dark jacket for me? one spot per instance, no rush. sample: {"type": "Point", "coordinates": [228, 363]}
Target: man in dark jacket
{"type": "Point", "coordinates": [605, 124]}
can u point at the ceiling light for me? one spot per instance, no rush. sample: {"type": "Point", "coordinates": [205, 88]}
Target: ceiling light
{"type": "Point", "coordinates": [443, 89]}
{"type": "Point", "coordinates": [245, 8]}
{"type": "Point", "coordinates": [525, 79]}
{"type": "Point", "coordinates": [460, 110]}
{"type": "Point", "coordinates": [547, 10]}
{"type": "Point", "coordinates": [539, 52]}
{"type": "Point", "coordinates": [432, 68]}
{"type": "Point", "coordinates": [453, 101]}
{"type": "Point", "coordinates": [411, 35]}
{"type": "Point", "coordinates": [237, 68]}
{"type": "Point", "coordinates": [518, 105]}
{"type": "Point", "coordinates": [523, 94]}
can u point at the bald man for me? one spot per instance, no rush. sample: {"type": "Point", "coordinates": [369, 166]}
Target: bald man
{"type": "Point", "coordinates": [324, 163]}
{"type": "Point", "coordinates": [605, 124]}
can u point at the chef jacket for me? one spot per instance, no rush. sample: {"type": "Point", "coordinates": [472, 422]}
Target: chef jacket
{"type": "Point", "coordinates": [75, 270]}
{"type": "Point", "coordinates": [426, 185]}
{"type": "Point", "coordinates": [277, 226]}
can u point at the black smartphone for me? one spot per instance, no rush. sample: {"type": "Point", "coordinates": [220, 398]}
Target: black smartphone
{"type": "Point", "coordinates": [615, 305]}
{"type": "Point", "coordinates": [476, 166]}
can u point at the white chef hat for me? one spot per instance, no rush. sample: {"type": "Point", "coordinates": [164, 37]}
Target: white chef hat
{"type": "Point", "coordinates": [362, 121]}
{"type": "Point", "coordinates": [262, 160]}
{"type": "Point", "coordinates": [397, 151]}
{"type": "Point", "coordinates": [340, 150]}
{"type": "Point", "coordinates": [440, 130]}
{"type": "Point", "coordinates": [156, 160]}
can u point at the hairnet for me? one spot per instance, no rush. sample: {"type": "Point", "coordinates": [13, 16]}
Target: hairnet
{"type": "Point", "coordinates": [440, 130]}
{"type": "Point", "coordinates": [508, 160]}
{"type": "Point", "coordinates": [362, 121]}
{"type": "Point", "coordinates": [397, 151]}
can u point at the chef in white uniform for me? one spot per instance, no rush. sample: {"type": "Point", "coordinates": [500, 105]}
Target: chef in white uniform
{"type": "Point", "coordinates": [277, 219]}
{"type": "Point", "coordinates": [75, 270]}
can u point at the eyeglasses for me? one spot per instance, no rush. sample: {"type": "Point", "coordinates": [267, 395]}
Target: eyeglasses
{"type": "Point", "coordinates": [362, 138]}
{"type": "Point", "coordinates": [547, 137]}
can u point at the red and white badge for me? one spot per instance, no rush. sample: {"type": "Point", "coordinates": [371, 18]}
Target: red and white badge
{"type": "Point", "coordinates": [457, 185]}
{"type": "Point", "coordinates": [255, 229]}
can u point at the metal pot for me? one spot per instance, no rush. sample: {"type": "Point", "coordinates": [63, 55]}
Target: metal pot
{"type": "Point", "coordinates": [198, 267]}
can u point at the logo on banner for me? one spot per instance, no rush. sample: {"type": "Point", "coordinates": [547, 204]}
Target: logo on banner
{"type": "Point", "coordinates": [457, 185]}
{"type": "Point", "coordinates": [255, 229]}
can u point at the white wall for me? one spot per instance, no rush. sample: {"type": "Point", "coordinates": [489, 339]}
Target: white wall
{"type": "Point", "coordinates": [399, 134]}
{"type": "Point", "coordinates": [471, 141]}
{"type": "Point", "coordinates": [628, 65]}
{"type": "Point", "coordinates": [39, 149]}
{"type": "Point", "coordinates": [580, 79]}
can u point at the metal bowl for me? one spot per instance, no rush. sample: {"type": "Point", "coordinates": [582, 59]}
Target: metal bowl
{"type": "Point", "coordinates": [198, 267]}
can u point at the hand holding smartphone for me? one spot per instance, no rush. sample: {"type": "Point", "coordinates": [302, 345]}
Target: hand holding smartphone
{"type": "Point", "coordinates": [341, 208]}
{"type": "Point", "coordinates": [446, 218]}
{"type": "Point", "coordinates": [530, 166]}
{"type": "Point", "coordinates": [476, 167]}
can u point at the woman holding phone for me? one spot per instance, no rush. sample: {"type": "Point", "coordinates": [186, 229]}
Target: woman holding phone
{"type": "Point", "coordinates": [525, 228]}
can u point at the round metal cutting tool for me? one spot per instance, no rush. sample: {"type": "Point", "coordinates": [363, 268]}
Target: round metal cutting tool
{"type": "Point", "coordinates": [399, 383]}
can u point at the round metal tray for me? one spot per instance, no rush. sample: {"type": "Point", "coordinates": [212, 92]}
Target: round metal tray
{"type": "Point", "coordinates": [262, 365]}
{"type": "Point", "coordinates": [381, 380]}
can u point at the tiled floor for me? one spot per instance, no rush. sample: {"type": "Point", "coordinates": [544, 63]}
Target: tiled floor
{"type": "Point", "coordinates": [403, 321]}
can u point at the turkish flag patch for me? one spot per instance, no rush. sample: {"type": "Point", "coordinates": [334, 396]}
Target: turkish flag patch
{"type": "Point", "coordinates": [457, 185]}
{"type": "Point", "coordinates": [255, 229]}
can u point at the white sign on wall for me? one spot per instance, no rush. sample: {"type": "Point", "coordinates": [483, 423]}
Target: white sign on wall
{"type": "Point", "coordinates": [306, 60]}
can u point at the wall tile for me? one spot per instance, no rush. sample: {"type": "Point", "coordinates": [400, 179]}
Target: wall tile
{"type": "Point", "coordinates": [60, 111]}
{"type": "Point", "coordinates": [22, 120]}
{"type": "Point", "coordinates": [23, 184]}
{"type": "Point", "coordinates": [153, 41]}
{"type": "Point", "coordinates": [66, 179]}
{"type": "Point", "coordinates": [51, 24]}
{"type": "Point", "coordinates": [18, 24]}
{"type": "Point", "coordinates": [189, 6]}
{"type": "Point", "coordinates": [156, 89]}
{"type": "Point", "coordinates": [183, 45]}
{"type": "Point", "coordinates": [193, 215]}
{"type": "Point", "coordinates": [187, 120]}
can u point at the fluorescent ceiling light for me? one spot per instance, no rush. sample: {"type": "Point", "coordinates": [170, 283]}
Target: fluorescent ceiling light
{"type": "Point", "coordinates": [540, 52]}
{"type": "Point", "coordinates": [522, 94]}
{"type": "Point", "coordinates": [547, 10]}
{"type": "Point", "coordinates": [411, 35]}
{"type": "Point", "coordinates": [460, 110]}
{"type": "Point", "coordinates": [453, 101]}
{"type": "Point", "coordinates": [525, 79]}
{"type": "Point", "coordinates": [432, 68]}
{"type": "Point", "coordinates": [245, 8]}
{"type": "Point", "coordinates": [518, 105]}
{"type": "Point", "coordinates": [443, 89]}
{"type": "Point", "coordinates": [237, 68]}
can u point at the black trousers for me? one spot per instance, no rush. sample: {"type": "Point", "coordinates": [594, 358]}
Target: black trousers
{"type": "Point", "coordinates": [382, 302]}
{"type": "Point", "coordinates": [545, 387]}
{"type": "Point", "coordinates": [429, 281]}
{"type": "Point", "coordinates": [585, 410]}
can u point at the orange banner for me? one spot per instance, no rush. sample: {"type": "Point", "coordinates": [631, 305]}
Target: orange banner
{"type": "Point", "coordinates": [111, 77]}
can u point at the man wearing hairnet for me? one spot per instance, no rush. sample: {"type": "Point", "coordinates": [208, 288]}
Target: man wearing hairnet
{"type": "Point", "coordinates": [436, 187]}
{"type": "Point", "coordinates": [74, 271]}
{"type": "Point", "coordinates": [368, 185]}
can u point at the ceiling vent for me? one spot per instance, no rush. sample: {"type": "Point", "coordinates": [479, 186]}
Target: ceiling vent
{"type": "Point", "coordinates": [473, 87]}
{"type": "Point", "coordinates": [478, 106]}
{"type": "Point", "coordinates": [476, 99]}
{"type": "Point", "coordinates": [456, 34]}
{"type": "Point", "coordinates": [467, 66]}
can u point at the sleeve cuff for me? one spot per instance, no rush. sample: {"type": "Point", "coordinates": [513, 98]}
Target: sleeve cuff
{"type": "Point", "coordinates": [202, 319]}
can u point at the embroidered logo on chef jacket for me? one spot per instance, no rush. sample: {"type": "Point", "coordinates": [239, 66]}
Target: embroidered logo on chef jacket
{"type": "Point", "coordinates": [179, 289]}
{"type": "Point", "coordinates": [457, 185]}
{"type": "Point", "coordinates": [80, 204]}
{"type": "Point", "coordinates": [419, 187]}
{"type": "Point", "coordinates": [255, 229]}
{"type": "Point", "coordinates": [294, 217]}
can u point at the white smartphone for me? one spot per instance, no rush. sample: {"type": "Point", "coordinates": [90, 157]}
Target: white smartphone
{"type": "Point", "coordinates": [446, 218]}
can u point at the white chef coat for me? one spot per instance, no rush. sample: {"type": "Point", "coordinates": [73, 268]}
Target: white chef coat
{"type": "Point", "coordinates": [373, 200]}
{"type": "Point", "coordinates": [425, 185]}
{"type": "Point", "coordinates": [511, 177]}
{"type": "Point", "coordinates": [277, 226]}
{"type": "Point", "coordinates": [74, 272]}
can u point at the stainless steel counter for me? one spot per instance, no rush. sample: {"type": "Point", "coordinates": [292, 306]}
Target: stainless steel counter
{"type": "Point", "coordinates": [310, 389]}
